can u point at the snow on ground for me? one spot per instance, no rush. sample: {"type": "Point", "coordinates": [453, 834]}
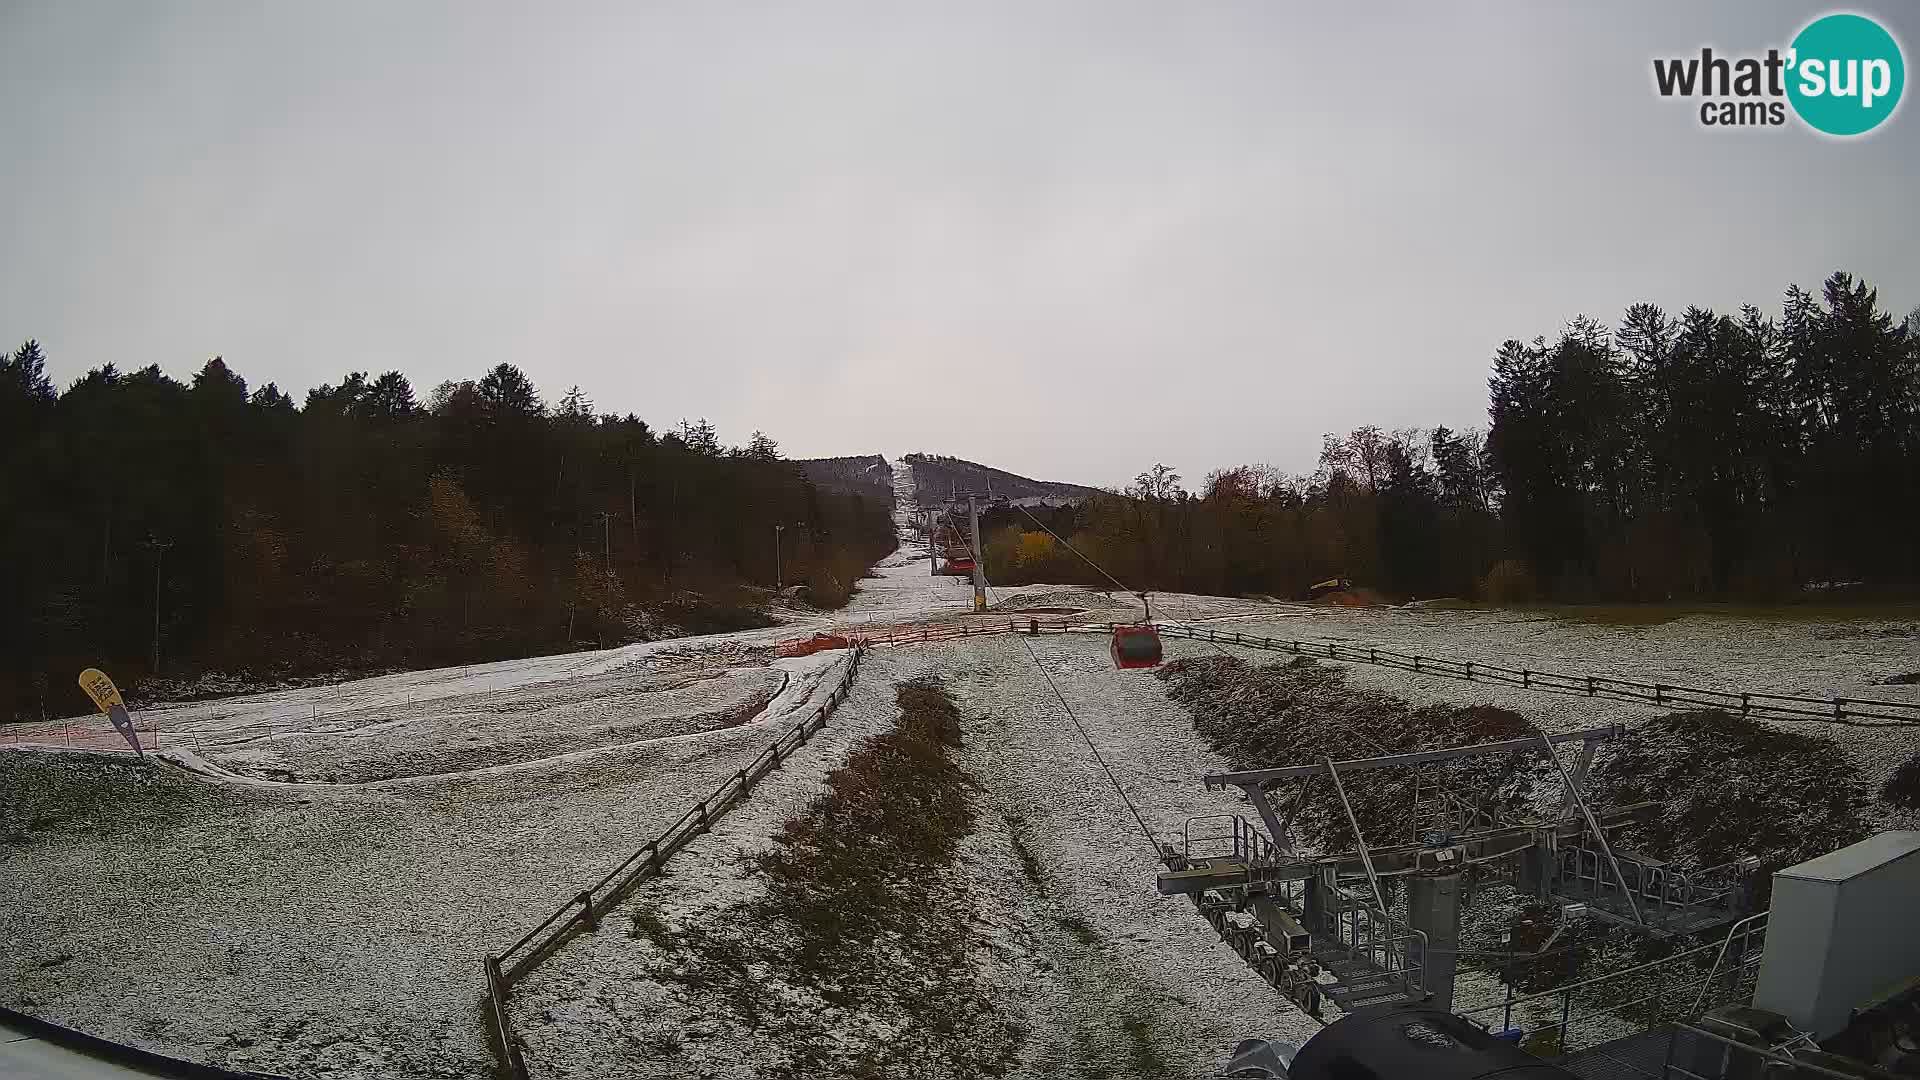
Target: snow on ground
{"type": "Point", "coordinates": [491, 701]}
{"type": "Point", "coordinates": [1105, 974]}
{"type": "Point", "coordinates": [318, 930]}
{"type": "Point", "coordinates": [1774, 655]}
{"type": "Point", "coordinates": [457, 734]}
{"type": "Point", "coordinates": [316, 903]}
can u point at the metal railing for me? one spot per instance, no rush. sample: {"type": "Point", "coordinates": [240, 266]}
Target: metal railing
{"type": "Point", "coordinates": [926, 633]}
{"type": "Point", "coordinates": [1738, 953]}
{"type": "Point", "coordinates": [1721, 1055]}
{"type": "Point", "coordinates": [1369, 933]}
{"type": "Point", "coordinates": [1784, 707]}
{"type": "Point", "coordinates": [1616, 1003]}
{"type": "Point", "coordinates": [1242, 842]}
{"type": "Point", "coordinates": [587, 907]}
{"type": "Point", "coordinates": [1658, 886]}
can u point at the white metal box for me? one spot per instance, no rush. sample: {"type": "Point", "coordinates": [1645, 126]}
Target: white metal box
{"type": "Point", "coordinates": [1844, 929]}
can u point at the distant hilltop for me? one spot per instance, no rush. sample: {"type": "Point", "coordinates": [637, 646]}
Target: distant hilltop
{"type": "Point", "coordinates": [868, 475]}
{"type": "Point", "coordinates": [934, 476]}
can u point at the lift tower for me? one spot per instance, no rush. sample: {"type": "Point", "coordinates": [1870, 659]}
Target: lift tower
{"type": "Point", "coordinates": [1302, 918]}
{"type": "Point", "coordinates": [979, 556]}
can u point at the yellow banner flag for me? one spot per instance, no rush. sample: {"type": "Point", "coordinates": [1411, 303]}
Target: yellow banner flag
{"type": "Point", "coordinates": [100, 689]}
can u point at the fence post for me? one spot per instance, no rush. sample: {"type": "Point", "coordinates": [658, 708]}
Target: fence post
{"type": "Point", "coordinates": [1416, 661]}
{"type": "Point", "coordinates": [586, 911]}
{"type": "Point", "coordinates": [1589, 686]}
{"type": "Point", "coordinates": [1658, 690]}
{"type": "Point", "coordinates": [1469, 671]}
{"type": "Point", "coordinates": [1745, 703]}
{"type": "Point", "coordinates": [702, 807]}
{"type": "Point", "coordinates": [1526, 679]}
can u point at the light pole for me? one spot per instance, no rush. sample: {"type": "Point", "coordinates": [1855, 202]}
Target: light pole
{"type": "Point", "coordinates": [159, 549]}
{"type": "Point", "coordinates": [777, 583]}
{"type": "Point", "coordinates": [606, 541]}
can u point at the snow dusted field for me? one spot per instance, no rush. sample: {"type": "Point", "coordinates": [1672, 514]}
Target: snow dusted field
{"type": "Point", "coordinates": [319, 930]}
{"type": "Point", "coordinates": [308, 887]}
{"type": "Point", "coordinates": [1101, 971]}
{"type": "Point", "coordinates": [1786, 656]}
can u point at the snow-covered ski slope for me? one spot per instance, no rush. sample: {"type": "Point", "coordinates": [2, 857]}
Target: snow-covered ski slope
{"type": "Point", "coordinates": [314, 900]}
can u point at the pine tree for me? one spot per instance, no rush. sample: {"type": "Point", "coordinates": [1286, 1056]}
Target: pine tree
{"type": "Point", "coordinates": [506, 392]}
{"type": "Point", "coordinates": [390, 397]}
{"type": "Point", "coordinates": [762, 448]}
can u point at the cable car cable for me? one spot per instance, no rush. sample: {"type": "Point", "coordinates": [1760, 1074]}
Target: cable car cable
{"type": "Point", "coordinates": [1152, 841]}
{"type": "Point", "coordinates": [1125, 654]}
{"type": "Point", "coordinates": [1123, 587]}
{"type": "Point", "coordinates": [1063, 543]}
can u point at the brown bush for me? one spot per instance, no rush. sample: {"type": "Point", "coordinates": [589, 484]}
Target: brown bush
{"type": "Point", "coordinates": [1509, 582]}
{"type": "Point", "coordinates": [1902, 789]}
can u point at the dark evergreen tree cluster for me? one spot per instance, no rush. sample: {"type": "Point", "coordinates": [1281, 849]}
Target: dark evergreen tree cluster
{"type": "Point", "coordinates": [1713, 455]}
{"type": "Point", "coordinates": [1699, 457]}
{"type": "Point", "coordinates": [365, 527]}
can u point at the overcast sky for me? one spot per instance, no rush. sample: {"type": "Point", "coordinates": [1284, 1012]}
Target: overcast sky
{"type": "Point", "coordinates": [1064, 239]}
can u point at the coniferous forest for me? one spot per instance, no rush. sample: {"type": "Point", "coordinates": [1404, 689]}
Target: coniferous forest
{"type": "Point", "coordinates": [1697, 456]}
{"type": "Point", "coordinates": [366, 528]}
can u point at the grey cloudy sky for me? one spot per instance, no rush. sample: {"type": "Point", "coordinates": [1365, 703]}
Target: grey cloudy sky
{"type": "Point", "coordinates": [1066, 239]}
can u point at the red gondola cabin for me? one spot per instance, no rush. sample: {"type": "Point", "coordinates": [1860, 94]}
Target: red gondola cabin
{"type": "Point", "coordinates": [1136, 646]}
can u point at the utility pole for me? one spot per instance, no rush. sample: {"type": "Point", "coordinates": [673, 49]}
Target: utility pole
{"type": "Point", "coordinates": [606, 541]}
{"type": "Point", "coordinates": [159, 549]}
{"type": "Point", "coordinates": [933, 560]}
{"type": "Point", "coordinates": [777, 530]}
{"type": "Point", "coordinates": [979, 557]}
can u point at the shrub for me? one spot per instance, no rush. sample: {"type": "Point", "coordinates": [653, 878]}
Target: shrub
{"type": "Point", "coordinates": [1731, 787]}
{"type": "Point", "coordinates": [1902, 789]}
{"type": "Point", "coordinates": [1509, 582]}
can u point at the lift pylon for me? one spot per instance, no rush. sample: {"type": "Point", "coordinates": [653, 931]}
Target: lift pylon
{"type": "Point", "coordinates": [1356, 951]}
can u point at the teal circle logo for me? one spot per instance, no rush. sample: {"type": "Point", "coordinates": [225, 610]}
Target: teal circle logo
{"type": "Point", "coordinates": [1845, 74]}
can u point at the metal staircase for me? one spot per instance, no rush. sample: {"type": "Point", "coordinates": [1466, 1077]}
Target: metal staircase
{"type": "Point", "coordinates": [1316, 938]}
